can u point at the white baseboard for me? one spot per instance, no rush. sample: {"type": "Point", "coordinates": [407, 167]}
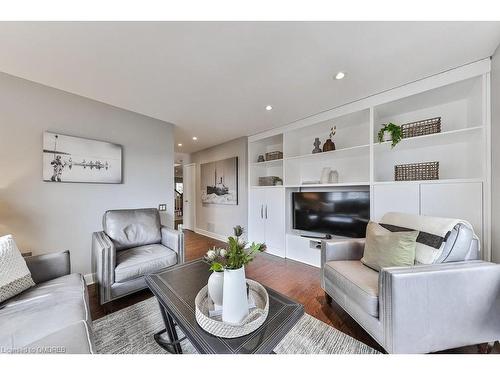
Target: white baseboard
{"type": "Point", "coordinates": [215, 236]}
{"type": "Point", "coordinates": [89, 278]}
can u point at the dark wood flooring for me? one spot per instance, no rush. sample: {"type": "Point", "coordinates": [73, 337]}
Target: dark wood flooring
{"type": "Point", "coordinates": [295, 280]}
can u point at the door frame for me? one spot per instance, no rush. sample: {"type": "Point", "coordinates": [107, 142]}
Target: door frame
{"type": "Point", "coordinates": [193, 197]}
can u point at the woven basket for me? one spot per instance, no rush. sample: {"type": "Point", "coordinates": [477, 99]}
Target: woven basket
{"type": "Point", "coordinates": [269, 180]}
{"type": "Point", "coordinates": [274, 155]}
{"type": "Point", "coordinates": [216, 327]}
{"type": "Point", "coordinates": [417, 171]}
{"type": "Point", "coordinates": [423, 127]}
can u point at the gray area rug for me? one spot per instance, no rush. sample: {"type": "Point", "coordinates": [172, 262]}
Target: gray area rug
{"type": "Point", "coordinates": [130, 331]}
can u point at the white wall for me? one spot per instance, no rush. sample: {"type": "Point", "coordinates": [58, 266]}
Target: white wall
{"type": "Point", "coordinates": [49, 217]}
{"type": "Point", "coordinates": [495, 157]}
{"type": "Point", "coordinates": [219, 220]}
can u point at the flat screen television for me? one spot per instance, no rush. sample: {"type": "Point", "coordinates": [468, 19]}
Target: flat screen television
{"type": "Point", "coordinates": [341, 213]}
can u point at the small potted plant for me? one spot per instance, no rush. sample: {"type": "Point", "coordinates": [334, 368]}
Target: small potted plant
{"type": "Point", "coordinates": [232, 261]}
{"type": "Point", "coordinates": [390, 132]}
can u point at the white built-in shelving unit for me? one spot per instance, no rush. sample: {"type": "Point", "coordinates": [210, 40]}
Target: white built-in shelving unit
{"type": "Point", "coordinates": [461, 97]}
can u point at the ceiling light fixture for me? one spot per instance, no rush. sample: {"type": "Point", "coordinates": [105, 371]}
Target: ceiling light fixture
{"type": "Point", "coordinates": [340, 75]}
{"type": "Point", "coordinates": [269, 107]}
{"type": "Point", "coordinates": [195, 138]}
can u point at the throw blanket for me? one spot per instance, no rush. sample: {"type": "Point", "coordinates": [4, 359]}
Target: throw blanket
{"type": "Point", "coordinates": [435, 230]}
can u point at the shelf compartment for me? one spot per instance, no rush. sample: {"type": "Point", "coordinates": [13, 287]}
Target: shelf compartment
{"type": "Point", "coordinates": [352, 130]}
{"type": "Point", "coordinates": [457, 160]}
{"type": "Point", "coordinates": [459, 105]}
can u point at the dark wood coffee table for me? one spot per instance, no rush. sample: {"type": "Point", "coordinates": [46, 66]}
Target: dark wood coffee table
{"type": "Point", "coordinates": [176, 288]}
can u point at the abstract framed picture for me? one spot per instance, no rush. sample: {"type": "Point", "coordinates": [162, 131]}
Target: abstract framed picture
{"type": "Point", "coordinates": [75, 159]}
{"type": "Point", "coordinates": [219, 182]}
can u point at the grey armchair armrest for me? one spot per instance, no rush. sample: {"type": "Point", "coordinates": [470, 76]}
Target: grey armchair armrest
{"type": "Point", "coordinates": [48, 266]}
{"type": "Point", "coordinates": [173, 239]}
{"type": "Point", "coordinates": [431, 308]}
{"type": "Point", "coordinates": [104, 259]}
{"type": "Point", "coordinates": [350, 249]}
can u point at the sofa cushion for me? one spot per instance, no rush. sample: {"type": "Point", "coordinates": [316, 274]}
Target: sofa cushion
{"type": "Point", "coordinates": [358, 282]}
{"type": "Point", "coordinates": [131, 228]}
{"type": "Point", "coordinates": [141, 260]}
{"type": "Point", "coordinates": [15, 276]}
{"type": "Point", "coordinates": [42, 310]}
{"type": "Point", "coordinates": [384, 248]}
{"type": "Point", "coordinates": [73, 339]}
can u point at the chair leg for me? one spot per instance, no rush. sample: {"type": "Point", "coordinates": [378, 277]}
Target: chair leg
{"type": "Point", "coordinates": [328, 299]}
{"type": "Point", "coordinates": [485, 348]}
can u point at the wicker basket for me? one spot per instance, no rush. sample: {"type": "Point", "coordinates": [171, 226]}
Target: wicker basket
{"type": "Point", "coordinates": [417, 171]}
{"type": "Point", "coordinates": [274, 155]}
{"type": "Point", "coordinates": [217, 327]}
{"type": "Point", "coordinates": [423, 127]}
{"type": "Point", "coordinates": [270, 181]}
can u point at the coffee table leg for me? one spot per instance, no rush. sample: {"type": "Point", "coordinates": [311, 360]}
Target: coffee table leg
{"type": "Point", "coordinates": [173, 344]}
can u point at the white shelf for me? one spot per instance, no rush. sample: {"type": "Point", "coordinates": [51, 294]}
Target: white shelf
{"type": "Point", "coordinates": [267, 187]}
{"type": "Point", "coordinates": [268, 164]}
{"type": "Point", "coordinates": [364, 183]}
{"type": "Point", "coordinates": [452, 136]}
{"type": "Point", "coordinates": [443, 181]}
{"type": "Point", "coordinates": [342, 152]}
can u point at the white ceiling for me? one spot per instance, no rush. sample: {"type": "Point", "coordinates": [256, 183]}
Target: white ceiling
{"type": "Point", "coordinates": [213, 79]}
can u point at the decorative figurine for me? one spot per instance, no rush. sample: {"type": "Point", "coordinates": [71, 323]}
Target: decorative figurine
{"type": "Point", "coordinates": [316, 144]}
{"type": "Point", "coordinates": [261, 159]}
{"type": "Point", "coordinates": [329, 145]}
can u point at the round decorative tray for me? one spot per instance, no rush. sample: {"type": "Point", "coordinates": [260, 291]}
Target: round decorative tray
{"type": "Point", "coordinates": [215, 325]}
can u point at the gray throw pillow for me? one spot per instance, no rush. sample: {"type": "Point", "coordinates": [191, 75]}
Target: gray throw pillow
{"type": "Point", "coordinates": [384, 248]}
{"type": "Point", "coordinates": [15, 276]}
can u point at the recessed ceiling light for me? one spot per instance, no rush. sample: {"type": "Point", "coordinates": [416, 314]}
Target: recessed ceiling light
{"type": "Point", "coordinates": [340, 75]}
{"type": "Point", "coordinates": [195, 138]}
{"type": "Point", "coordinates": [179, 144]}
{"type": "Point", "coordinates": [269, 107]}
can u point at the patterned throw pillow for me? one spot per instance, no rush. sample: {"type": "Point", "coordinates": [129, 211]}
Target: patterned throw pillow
{"type": "Point", "coordinates": [15, 276]}
{"type": "Point", "coordinates": [384, 248]}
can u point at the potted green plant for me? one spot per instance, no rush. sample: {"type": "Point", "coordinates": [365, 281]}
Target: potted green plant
{"type": "Point", "coordinates": [390, 132]}
{"type": "Point", "coordinates": [232, 262]}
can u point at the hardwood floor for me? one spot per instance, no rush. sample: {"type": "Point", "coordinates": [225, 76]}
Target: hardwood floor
{"type": "Point", "coordinates": [295, 280]}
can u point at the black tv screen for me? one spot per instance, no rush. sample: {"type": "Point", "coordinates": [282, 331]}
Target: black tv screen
{"type": "Point", "coordinates": [341, 213]}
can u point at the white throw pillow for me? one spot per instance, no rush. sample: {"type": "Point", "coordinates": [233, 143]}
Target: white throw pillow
{"type": "Point", "coordinates": [15, 276]}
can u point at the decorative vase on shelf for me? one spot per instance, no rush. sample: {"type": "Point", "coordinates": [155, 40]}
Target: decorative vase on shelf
{"type": "Point", "coordinates": [325, 175]}
{"type": "Point", "coordinates": [215, 288]}
{"type": "Point", "coordinates": [316, 144]}
{"type": "Point", "coordinates": [235, 302]}
{"type": "Point", "coordinates": [328, 145]}
{"type": "Point", "coordinates": [334, 177]}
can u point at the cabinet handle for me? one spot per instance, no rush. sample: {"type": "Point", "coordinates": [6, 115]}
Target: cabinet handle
{"type": "Point", "coordinates": [266, 211]}
{"type": "Point", "coordinates": [261, 213]}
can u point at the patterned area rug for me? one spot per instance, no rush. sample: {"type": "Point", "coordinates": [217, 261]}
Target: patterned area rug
{"type": "Point", "coordinates": [130, 331]}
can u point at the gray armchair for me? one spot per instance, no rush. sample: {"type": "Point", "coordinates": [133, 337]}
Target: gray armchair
{"type": "Point", "coordinates": [132, 244]}
{"type": "Point", "coordinates": [420, 309]}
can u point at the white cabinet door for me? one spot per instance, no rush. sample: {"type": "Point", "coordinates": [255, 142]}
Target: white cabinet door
{"type": "Point", "coordinates": [275, 221]}
{"type": "Point", "coordinates": [395, 198]}
{"type": "Point", "coordinates": [256, 221]}
{"type": "Point", "coordinates": [454, 200]}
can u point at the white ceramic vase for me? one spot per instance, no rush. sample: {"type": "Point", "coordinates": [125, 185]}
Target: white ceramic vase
{"type": "Point", "coordinates": [235, 302]}
{"type": "Point", "coordinates": [387, 137]}
{"type": "Point", "coordinates": [215, 288]}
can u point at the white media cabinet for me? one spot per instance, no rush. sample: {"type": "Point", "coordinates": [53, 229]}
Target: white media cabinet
{"type": "Point", "coordinates": [461, 97]}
